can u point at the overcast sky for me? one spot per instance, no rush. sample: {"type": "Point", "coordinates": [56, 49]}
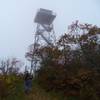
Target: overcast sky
{"type": "Point", "coordinates": [17, 26]}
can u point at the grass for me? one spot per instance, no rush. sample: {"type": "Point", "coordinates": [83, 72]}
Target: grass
{"type": "Point", "coordinates": [37, 93]}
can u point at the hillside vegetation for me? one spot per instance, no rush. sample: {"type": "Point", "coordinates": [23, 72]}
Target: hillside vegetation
{"type": "Point", "coordinates": [13, 89]}
{"type": "Point", "coordinates": [70, 70]}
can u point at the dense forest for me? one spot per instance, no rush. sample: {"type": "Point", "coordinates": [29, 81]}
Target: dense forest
{"type": "Point", "coordinates": [70, 69]}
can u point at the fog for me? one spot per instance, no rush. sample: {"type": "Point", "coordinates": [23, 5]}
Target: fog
{"type": "Point", "coordinates": [17, 26]}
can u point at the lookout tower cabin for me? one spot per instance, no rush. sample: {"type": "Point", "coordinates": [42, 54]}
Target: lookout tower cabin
{"type": "Point", "coordinates": [44, 16]}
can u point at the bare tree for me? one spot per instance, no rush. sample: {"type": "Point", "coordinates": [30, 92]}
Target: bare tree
{"type": "Point", "coordinates": [9, 66]}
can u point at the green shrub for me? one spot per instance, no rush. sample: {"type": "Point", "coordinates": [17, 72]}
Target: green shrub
{"type": "Point", "coordinates": [3, 89]}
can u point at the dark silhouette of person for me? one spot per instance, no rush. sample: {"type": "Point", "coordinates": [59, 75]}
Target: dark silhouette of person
{"type": "Point", "coordinates": [28, 82]}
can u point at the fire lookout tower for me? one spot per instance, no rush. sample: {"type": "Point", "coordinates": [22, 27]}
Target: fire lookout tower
{"type": "Point", "coordinates": [44, 35]}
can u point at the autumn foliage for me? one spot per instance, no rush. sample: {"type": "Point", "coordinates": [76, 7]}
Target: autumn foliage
{"type": "Point", "coordinates": [73, 65]}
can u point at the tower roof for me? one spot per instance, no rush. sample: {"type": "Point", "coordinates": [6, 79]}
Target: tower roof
{"type": "Point", "coordinates": [44, 16]}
